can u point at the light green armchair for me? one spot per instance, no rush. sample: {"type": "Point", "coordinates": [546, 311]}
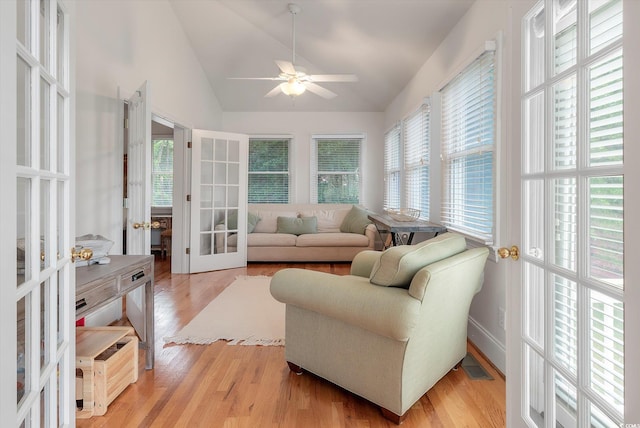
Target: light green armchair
{"type": "Point", "coordinates": [389, 330]}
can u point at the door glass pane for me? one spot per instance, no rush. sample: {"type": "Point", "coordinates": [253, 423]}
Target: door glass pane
{"type": "Point", "coordinates": [21, 350]}
{"type": "Point", "coordinates": [22, 228]}
{"type": "Point", "coordinates": [565, 226]}
{"type": "Point", "coordinates": [23, 22]}
{"type": "Point", "coordinates": [60, 47]}
{"type": "Point", "coordinates": [206, 219]}
{"type": "Point", "coordinates": [606, 234]}
{"type": "Point", "coordinates": [61, 132]}
{"type": "Point", "coordinates": [207, 149]}
{"type": "Point", "coordinates": [45, 11]}
{"type": "Point", "coordinates": [206, 172]}
{"type": "Point", "coordinates": [566, 402]}
{"type": "Point", "coordinates": [234, 151]}
{"type": "Point", "coordinates": [606, 337]}
{"type": "Point", "coordinates": [564, 123]}
{"type": "Point", "coordinates": [534, 375]}
{"type": "Point", "coordinates": [605, 22]}
{"type": "Point", "coordinates": [234, 173]}
{"type": "Point", "coordinates": [45, 126]}
{"type": "Point", "coordinates": [534, 57]}
{"type": "Point", "coordinates": [24, 113]}
{"type": "Point", "coordinates": [605, 111]}
{"type": "Point", "coordinates": [44, 325]}
{"type": "Point", "coordinates": [565, 322]}
{"type": "Point", "coordinates": [234, 198]}
{"type": "Point", "coordinates": [232, 242]}
{"type": "Point", "coordinates": [565, 35]}
{"type": "Point", "coordinates": [220, 196]}
{"type": "Point", "coordinates": [221, 242]}
{"type": "Point", "coordinates": [220, 150]}
{"type": "Point", "coordinates": [206, 196]}
{"type": "Point", "coordinates": [60, 302]}
{"type": "Point", "coordinates": [534, 134]}
{"type": "Point", "coordinates": [220, 171]}
{"type": "Point", "coordinates": [61, 228]}
{"type": "Point", "coordinates": [205, 244]}
{"type": "Point", "coordinates": [533, 232]}
{"type": "Point", "coordinates": [534, 295]}
{"type": "Point", "coordinates": [44, 224]}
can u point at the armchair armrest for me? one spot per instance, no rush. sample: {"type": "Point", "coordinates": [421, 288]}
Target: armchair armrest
{"type": "Point", "coordinates": [363, 262]}
{"type": "Point", "coordinates": [387, 311]}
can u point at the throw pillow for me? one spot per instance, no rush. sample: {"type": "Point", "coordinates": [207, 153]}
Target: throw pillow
{"type": "Point", "coordinates": [356, 221]}
{"type": "Point", "coordinates": [396, 266]}
{"type": "Point", "coordinates": [297, 225]}
{"type": "Point", "coordinates": [252, 220]}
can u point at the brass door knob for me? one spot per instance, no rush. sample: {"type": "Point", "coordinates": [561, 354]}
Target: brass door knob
{"type": "Point", "coordinates": [82, 253]}
{"type": "Point", "coordinates": [513, 252]}
{"type": "Point", "coordinates": [139, 225]}
{"type": "Point", "coordinates": [147, 225]}
{"type": "Point", "coordinates": [155, 225]}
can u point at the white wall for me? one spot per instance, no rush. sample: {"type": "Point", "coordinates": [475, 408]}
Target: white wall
{"type": "Point", "coordinates": [484, 21]}
{"type": "Point", "coordinates": [301, 126]}
{"type": "Point", "coordinates": [119, 45]}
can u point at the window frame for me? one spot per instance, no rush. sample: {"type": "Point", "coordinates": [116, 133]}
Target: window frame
{"type": "Point", "coordinates": [288, 173]}
{"type": "Point", "coordinates": [314, 170]}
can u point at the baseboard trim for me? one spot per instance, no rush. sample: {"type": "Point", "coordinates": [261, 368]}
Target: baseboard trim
{"type": "Point", "coordinates": [487, 344]}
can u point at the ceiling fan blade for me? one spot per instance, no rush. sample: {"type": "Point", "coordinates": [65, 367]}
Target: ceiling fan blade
{"type": "Point", "coordinates": [319, 90]}
{"type": "Point", "coordinates": [255, 78]}
{"type": "Point", "coordinates": [286, 67]}
{"type": "Point", "coordinates": [275, 91]}
{"type": "Point", "coordinates": [334, 77]}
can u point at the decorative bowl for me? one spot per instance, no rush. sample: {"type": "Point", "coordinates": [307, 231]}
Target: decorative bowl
{"type": "Point", "coordinates": [403, 214]}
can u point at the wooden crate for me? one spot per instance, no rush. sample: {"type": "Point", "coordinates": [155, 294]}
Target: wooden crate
{"type": "Point", "coordinates": [107, 358]}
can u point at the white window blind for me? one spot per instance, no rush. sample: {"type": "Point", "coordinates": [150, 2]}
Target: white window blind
{"type": "Point", "coordinates": [335, 170]}
{"type": "Point", "coordinates": [268, 170]}
{"type": "Point", "coordinates": [416, 161]}
{"type": "Point", "coordinates": [392, 168]}
{"type": "Point", "coordinates": [162, 173]}
{"type": "Point", "coordinates": [468, 143]}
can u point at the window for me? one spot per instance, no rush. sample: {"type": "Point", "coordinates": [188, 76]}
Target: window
{"type": "Point", "coordinates": [468, 143]}
{"type": "Point", "coordinates": [269, 170]}
{"type": "Point", "coordinates": [335, 169]}
{"type": "Point", "coordinates": [392, 169]}
{"type": "Point", "coordinates": [162, 173]}
{"type": "Point", "coordinates": [416, 161]}
{"type": "Point", "coordinates": [406, 163]}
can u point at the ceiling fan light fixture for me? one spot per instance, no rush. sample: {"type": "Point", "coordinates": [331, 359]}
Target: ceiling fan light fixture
{"type": "Point", "coordinates": [293, 87]}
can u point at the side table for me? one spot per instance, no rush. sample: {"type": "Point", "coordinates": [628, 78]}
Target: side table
{"type": "Point", "coordinates": [401, 232]}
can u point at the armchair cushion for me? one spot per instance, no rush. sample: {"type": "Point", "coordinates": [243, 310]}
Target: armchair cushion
{"type": "Point", "coordinates": [398, 265]}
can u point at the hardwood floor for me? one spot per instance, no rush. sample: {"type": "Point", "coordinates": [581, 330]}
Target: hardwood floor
{"type": "Point", "coordinates": [251, 386]}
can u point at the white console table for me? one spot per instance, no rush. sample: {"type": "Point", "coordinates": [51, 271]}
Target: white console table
{"type": "Point", "coordinates": [99, 285]}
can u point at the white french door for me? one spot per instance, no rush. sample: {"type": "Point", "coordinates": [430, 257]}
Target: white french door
{"type": "Point", "coordinates": [138, 194]}
{"type": "Point", "coordinates": [37, 216]}
{"type": "Point", "coordinates": [567, 338]}
{"type": "Point", "coordinates": [218, 200]}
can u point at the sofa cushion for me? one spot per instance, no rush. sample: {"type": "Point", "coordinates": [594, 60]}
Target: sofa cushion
{"type": "Point", "coordinates": [329, 220]}
{"type": "Point", "coordinates": [397, 265]}
{"type": "Point", "coordinates": [355, 221]}
{"type": "Point", "coordinates": [297, 225]}
{"type": "Point", "coordinates": [269, 220]}
{"type": "Point", "coordinates": [332, 240]}
{"type": "Point", "coordinates": [271, 240]}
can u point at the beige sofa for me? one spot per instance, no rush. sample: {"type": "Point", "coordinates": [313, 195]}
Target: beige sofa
{"type": "Point", "coordinates": [329, 244]}
{"type": "Point", "coordinates": [389, 330]}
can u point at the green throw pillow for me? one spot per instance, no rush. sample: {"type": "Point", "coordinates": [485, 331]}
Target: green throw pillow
{"type": "Point", "coordinates": [297, 225]}
{"type": "Point", "coordinates": [252, 220]}
{"type": "Point", "coordinates": [397, 265]}
{"type": "Point", "coordinates": [356, 221]}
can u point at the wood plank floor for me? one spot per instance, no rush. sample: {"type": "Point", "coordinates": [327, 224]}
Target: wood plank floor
{"type": "Point", "coordinates": [251, 386]}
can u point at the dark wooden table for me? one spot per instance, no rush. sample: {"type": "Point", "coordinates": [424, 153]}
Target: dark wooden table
{"type": "Point", "coordinates": [401, 232]}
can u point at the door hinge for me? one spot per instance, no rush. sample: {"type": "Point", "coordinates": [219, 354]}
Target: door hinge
{"type": "Point", "coordinates": [188, 250]}
{"type": "Point", "coordinates": [126, 123]}
{"type": "Point", "coordinates": [188, 198]}
{"type": "Point", "coordinates": [125, 203]}
{"type": "Point", "coordinates": [188, 144]}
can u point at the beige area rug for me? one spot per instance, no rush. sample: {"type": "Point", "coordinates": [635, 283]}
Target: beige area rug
{"type": "Point", "coordinates": [245, 313]}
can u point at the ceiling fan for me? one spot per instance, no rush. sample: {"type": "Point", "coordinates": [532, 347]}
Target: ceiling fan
{"type": "Point", "coordinates": [295, 80]}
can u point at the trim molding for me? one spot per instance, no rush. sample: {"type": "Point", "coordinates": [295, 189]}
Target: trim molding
{"type": "Point", "coordinates": [487, 344]}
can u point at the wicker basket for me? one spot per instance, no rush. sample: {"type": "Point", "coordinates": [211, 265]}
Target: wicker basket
{"type": "Point", "coordinates": [404, 214]}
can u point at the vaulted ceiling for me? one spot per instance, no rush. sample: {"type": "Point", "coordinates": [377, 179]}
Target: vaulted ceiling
{"type": "Point", "coordinates": [383, 42]}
